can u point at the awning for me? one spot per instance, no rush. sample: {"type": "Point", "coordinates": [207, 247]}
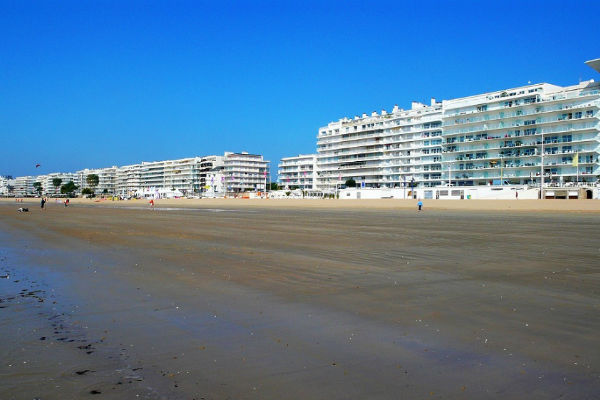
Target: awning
{"type": "Point", "coordinates": [595, 64]}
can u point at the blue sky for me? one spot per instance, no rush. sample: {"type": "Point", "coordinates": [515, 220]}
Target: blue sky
{"type": "Point", "coordinates": [101, 83]}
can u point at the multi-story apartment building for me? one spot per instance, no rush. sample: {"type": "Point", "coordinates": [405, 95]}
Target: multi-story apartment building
{"type": "Point", "coordinates": [212, 180]}
{"type": "Point", "coordinates": [127, 180]}
{"type": "Point", "coordinates": [394, 149]}
{"type": "Point", "coordinates": [245, 172]}
{"type": "Point", "coordinates": [511, 136]}
{"type": "Point", "coordinates": [176, 175]}
{"type": "Point", "coordinates": [47, 182]}
{"type": "Point", "coordinates": [516, 135]}
{"type": "Point", "coordinates": [23, 186]}
{"type": "Point", "coordinates": [412, 142]}
{"type": "Point", "coordinates": [299, 171]}
{"type": "Point", "coordinates": [106, 179]}
{"type": "Point", "coordinates": [214, 175]}
{"type": "Point", "coordinates": [7, 185]}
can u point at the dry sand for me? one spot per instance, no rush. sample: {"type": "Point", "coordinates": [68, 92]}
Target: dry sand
{"type": "Point", "coordinates": [270, 299]}
{"type": "Point", "coordinates": [364, 204]}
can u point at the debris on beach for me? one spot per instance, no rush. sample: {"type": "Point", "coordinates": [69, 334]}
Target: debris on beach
{"type": "Point", "coordinates": [83, 372]}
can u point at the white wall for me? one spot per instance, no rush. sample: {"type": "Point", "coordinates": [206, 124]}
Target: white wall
{"type": "Point", "coordinates": [486, 192]}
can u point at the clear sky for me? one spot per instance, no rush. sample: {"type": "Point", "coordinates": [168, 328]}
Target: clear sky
{"type": "Point", "coordinates": [101, 83]}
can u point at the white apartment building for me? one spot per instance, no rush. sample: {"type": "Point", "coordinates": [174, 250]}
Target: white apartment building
{"type": "Point", "coordinates": [127, 180]}
{"type": "Point", "coordinates": [245, 172]}
{"type": "Point", "coordinates": [23, 186]}
{"type": "Point", "coordinates": [299, 171]}
{"type": "Point", "coordinates": [178, 176]}
{"type": "Point", "coordinates": [211, 177]}
{"type": "Point", "coordinates": [512, 136]}
{"type": "Point", "coordinates": [7, 185]}
{"type": "Point", "coordinates": [47, 181]}
{"type": "Point", "coordinates": [394, 149]}
{"type": "Point", "coordinates": [106, 179]}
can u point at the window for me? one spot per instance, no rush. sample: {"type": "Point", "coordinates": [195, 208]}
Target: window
{"type": "Point", "coordinates": [530, 122]}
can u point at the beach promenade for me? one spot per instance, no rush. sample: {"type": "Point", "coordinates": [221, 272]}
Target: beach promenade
{"type": "Point", "coordinates": [300, 299]}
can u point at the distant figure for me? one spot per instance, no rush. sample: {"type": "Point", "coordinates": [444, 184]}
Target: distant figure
{"type": "Point", "coordinates": [151, 203]}
{"type": "Point", "coordinates": [43, 202]}
{"type": "Point", "coordinates": [23, 209]}
{"type": "Point", "coordinates": [66, 202]}
{"type": "Point", "coordinates": [420, 205]}
{"type": "Point", "coordinates": [517, 195]}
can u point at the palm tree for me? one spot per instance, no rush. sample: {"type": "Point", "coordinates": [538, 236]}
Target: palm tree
{"type": "Point", "coordinates": [56, 182]}
{"type": "Point", "coordinates": [92, 180]}
{"type": "Point", "coordinates": [38, 187]}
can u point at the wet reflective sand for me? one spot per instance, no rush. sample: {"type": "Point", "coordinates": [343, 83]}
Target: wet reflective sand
{"type": "Point", "coordinates": [291, 303]}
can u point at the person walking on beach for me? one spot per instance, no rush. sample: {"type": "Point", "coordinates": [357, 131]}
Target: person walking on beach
{"type": "Point", "coordinates": [43, 202]}
{"type": "Point", "coordinates": [420, 205]}
{"type": "Point", "coordinates": [517, 195]}
{"type": "Point", "coordinates": [151, 203]}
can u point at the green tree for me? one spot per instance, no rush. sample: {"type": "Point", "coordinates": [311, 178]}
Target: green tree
{"type": "Point", "coordinates": [56, 182]}
{"type": "Point", "coordinates": [10, 188]}
{"type": "Point", "coordinates": [87, 191]}
{"type": "Point", "coordinates": [274, 186]}
{"type": "Point", "coordinates": [350, 183]}
{"type": "Point", "coordinates": [69, 188]}
{"type": "Point", "coordinates": [93, 180]}
{"type": "Point", "coordinates": [38, 187]}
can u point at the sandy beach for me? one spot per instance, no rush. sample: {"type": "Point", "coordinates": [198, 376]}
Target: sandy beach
{"type": "Point", "coordinates": [365, 204]}
{"type": "Point", "coordinates": [318, 299]}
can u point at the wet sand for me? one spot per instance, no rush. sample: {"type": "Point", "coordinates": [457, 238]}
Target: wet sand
{"type": "Point", "coordinates": [245, 299]}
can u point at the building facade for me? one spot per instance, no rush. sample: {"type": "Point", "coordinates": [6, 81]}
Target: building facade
{"type": "Point", "coordinates": [515, 136]}
{"type": "Point", "coordinates": [23, 186]}
{"type": "Point", "coordinates": [245, 172]}
{"type": "Point", "coordinates": [299, 171]}
{"type": "Point", "coordinates": [194, 176]}
{"type": "Point", "coordinates": [7, 186]}
{"type": "Point", "coordinates": [400, 148]}
{"type": "Point", "coordinates": [106, 180]}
